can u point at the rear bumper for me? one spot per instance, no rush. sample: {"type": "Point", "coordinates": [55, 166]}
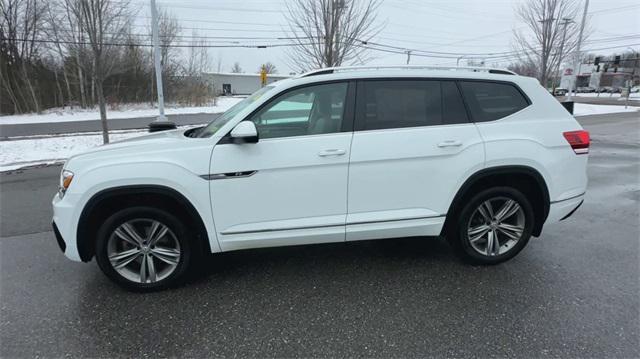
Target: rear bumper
{"type": "Point", "coordinates": [560, 210]}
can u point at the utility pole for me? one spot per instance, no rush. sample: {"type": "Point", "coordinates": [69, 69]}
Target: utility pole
{"type": "Point", "coordinates": [408, 56]}
{"type": "Point", "coordinates": [161, 123]}
{"type": "Point", "coordinates": [565, 21]}
{"type": "Point", "coordinates": [578, 62]}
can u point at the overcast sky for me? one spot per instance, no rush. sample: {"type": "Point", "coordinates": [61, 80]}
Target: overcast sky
{"type": "Point", "coordinates": [451, 26]}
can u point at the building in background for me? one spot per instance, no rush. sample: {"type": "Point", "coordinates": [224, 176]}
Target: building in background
{"type": "Point", "coordinates": [600, 72]}
{"type": "Point", "coordinates": [238, 83]}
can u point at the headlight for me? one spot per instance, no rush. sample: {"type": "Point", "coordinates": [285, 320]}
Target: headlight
{"type": "Point", "coordinates": [66, 177]}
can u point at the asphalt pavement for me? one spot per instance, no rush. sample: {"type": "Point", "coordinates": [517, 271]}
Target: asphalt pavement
{"type": "Point", "coordinates": [573, 292]}
{"type": "Point", "coordinates": [54, 128]}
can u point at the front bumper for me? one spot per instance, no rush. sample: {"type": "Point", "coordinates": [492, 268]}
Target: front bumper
{"type": "Point", "coordinates": [61, 243]}
{"type": "Point", "coordinates": [65, 224]}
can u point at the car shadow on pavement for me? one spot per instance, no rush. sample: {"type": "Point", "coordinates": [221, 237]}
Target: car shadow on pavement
{"type": "Point", "coordinates": [329, 257]}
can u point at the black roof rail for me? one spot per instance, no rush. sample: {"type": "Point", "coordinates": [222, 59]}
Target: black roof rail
{"type": "Point", "coordinates": [318, 72]}
{"type": "Point", "coordinates": [332, 70]}
{"type": "Point", "coordinates": [501, 72]}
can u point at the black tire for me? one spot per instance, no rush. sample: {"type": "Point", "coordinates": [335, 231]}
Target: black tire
{"type": "Point", "coordinates": [458, 236]}
{"type": "Point", "coordinates": [178, 230]}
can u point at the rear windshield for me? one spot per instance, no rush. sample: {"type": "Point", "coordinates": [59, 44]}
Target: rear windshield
{"type": "Point", "coordinates": [490, 101]}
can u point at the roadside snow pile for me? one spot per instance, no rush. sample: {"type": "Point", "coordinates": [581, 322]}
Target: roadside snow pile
{"type": "Point", "coordinates": [52, 149]}
{"type": "Point", "coordinates": [582, 109]}
{"type": "Point", "coordinates": [632, 96]}
{"type": "Point", "coordinates": [125, 111]}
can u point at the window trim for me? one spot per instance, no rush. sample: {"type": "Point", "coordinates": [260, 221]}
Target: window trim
{"type": "Point", "coordinates": [348, 113]}
{"type": "Point", "coordinates": [464, 104]}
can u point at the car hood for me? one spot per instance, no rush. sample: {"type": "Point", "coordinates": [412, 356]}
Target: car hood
{"type": "Point", "coordinates": [140, 144]}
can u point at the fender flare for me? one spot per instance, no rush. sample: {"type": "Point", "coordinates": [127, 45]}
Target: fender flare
{"type": "Point", "coordinates": [505, 170]}
{"type": "Point", "coordinates": [86, 246]}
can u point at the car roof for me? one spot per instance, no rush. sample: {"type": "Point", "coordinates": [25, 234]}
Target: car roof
{"type": "Point", "coordinates": [400, 72]}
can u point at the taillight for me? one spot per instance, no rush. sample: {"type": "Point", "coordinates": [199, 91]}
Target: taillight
{"type": "Point", "coordinates": [578, 140]}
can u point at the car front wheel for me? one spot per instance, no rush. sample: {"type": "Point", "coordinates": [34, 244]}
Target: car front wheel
{"type": "Point", "coordinates": [494, 226]}
{"type": "Point", "coordinates": [144, 248]}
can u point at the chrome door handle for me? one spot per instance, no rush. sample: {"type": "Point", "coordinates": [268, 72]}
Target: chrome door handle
{"type": "Point", "coordinates": [331, 152]}
{"type": "Point", "coordinates": [450, 143]}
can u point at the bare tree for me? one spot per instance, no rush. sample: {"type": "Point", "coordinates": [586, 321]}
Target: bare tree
{"type": "Point", "coordinates": [74, 37]}
{"type": "Point", "coordinates": [330, 32]}
{"type": "Point", "coordinates": [55, 23]}
{"type": "Point", "coordinates": [236, 69]}
{"type": "Point", "coordinates": [20, 30]}
{"type": "Point", "coordinates": [524, 68]}
{"type": "Point", "coordinates": [547, 40]}
{"type": "Point", "coordinates": [269, 67]}
{"type": "Point", "coordinates": [105, 22]}
{"type": "Point", "coordinates": [194, 89]}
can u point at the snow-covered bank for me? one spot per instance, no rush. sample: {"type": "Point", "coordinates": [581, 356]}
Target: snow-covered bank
{"type": "Point", "coordinates": [20, 153]}
{"type": "Point", "coordinates": [125, 111]}
{"type": "Point", "coordinates": [632, 96]}
{"type": "Point", "coordinates": [583, 109]}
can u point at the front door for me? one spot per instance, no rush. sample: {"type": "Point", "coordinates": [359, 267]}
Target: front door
{"type": "Point", "coordinates": [290, 187]}
{"type": "Point", "coordinates": [412, 148]}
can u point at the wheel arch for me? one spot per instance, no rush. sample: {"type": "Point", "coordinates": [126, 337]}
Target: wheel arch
{"type": "Point", "coordinates": [107, 201]}
{"type": "Point", "coordinates": [524, 178]}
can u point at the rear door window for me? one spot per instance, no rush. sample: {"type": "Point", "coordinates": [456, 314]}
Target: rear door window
{"type": "Point", "coordinates": [490, 101]}
{"type": "Point", "coordinates": [386, 104]}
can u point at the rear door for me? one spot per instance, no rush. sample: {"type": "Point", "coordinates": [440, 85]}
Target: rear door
{"type": "Point", "coordinates": [412, 148]}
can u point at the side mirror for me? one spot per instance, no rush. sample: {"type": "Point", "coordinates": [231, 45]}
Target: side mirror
{"type": "Point", "coordinates": [244, 132]}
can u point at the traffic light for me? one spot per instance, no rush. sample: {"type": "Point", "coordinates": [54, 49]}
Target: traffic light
{"type": "Point", "coordinates": [616, 60]}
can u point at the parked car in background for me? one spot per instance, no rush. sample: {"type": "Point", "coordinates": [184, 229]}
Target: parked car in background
{"type": "Point", "coordinates": [560, 92]}
{"type": "Point", "coordinates": [609, 89]}
{"type": "Point", "coordinates": [635, 89]}
{"type": "Point", "coordinates": [586, 89]}
{"type": "Point", "coordinates": [481, 156]}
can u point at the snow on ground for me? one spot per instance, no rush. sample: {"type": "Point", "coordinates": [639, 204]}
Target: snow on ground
{"type": "Point", "coordinates": [16, 154]}
{"type": "Point", "coordinates": [125, 111]}
{"type": "Point", "coordinates": [582, 109]}
{"type": "Point", "coordinates": [633, 96]}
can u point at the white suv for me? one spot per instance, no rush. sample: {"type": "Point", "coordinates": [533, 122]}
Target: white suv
{"type": "Point", "coordinates": [483, 157]}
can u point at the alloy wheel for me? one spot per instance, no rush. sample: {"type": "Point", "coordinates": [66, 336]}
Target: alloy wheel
{"type": "Point", "coordinates": [143, 250]}
{"type": "Point", "coordinates": [496, 226]}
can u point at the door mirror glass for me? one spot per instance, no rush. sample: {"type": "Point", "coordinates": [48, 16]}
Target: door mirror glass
{"type": "Point", "coordinates": [244, 132]}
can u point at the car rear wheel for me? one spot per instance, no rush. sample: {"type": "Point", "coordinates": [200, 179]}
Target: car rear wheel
{"type": "Point", "coordinates": [493, 226]}
{"type": "Point", "coordinates": [144, 249]}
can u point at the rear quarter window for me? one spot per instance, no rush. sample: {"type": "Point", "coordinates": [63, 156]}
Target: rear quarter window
{"type": "Point", "coordinates": [490, 101]}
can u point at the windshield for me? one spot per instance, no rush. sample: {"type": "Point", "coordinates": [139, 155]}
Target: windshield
{"type": "Point", "coordinates": [216, 124]}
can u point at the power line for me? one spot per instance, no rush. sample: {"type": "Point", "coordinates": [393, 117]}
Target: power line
{"type": "Point", "coordinates": [132, 44]}
{"type": "Point", "coordinates": [413, 50]}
